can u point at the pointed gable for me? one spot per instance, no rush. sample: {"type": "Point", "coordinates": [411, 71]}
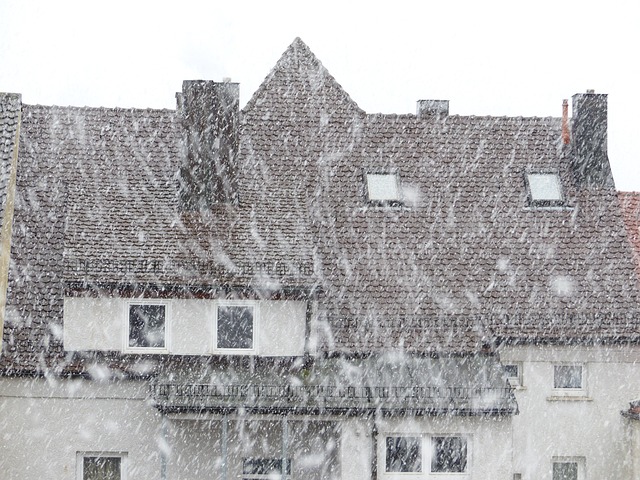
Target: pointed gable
{"type": "Point", "coordinates": [300, 88]}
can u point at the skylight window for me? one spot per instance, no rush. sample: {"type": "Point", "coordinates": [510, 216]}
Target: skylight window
{"type": "Point", "coordinates": [545, 189]}
{"type": "Point", "coordinates": [383, 188]}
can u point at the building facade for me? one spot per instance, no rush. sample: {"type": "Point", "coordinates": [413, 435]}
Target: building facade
{"type": "Point", "coordinates": [300, 289]}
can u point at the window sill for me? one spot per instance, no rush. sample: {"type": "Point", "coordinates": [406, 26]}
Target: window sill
{"type": "Point", "coordinates": [569, 398]}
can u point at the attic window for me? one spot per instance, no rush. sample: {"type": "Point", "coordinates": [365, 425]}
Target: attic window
{"type": "Point", "coordinates": [383, 189]}
{"type": "Point", "coordinates": [545, 189]}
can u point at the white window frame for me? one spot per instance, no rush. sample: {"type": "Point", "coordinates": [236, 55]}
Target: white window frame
{"type": "Point", "coordinates": [260, 476]}
{"type": "Point", "coordinates": [421, 449]}
{"type": "Point", "coordinates": [256, 322]}
{"type": "Point", "coordinates": [542, 202]}
{"type": "Point", "coordinates": [426, 456]}
{"type": "Point", "coordinates": [80, 456]}
{"type": "Point", "coordinates": [516, 381]}
{"type": "Point", "coordinates": [580, 461]}
{"type": "Point", "coordinates": [167, 321]}
{"type": "Point", "coordinates": [570, 391]}
{"type": "Point", "coordinates": [376, 198]}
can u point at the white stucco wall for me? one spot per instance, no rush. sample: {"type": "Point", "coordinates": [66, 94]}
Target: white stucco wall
{"type": "Point", "coordinates": [45, 423]}
{"type": "Point", "coordinates": [101, 324]}
{"type": "Point", "coordinates": [489, 445]}
{"type": "Point", "coordinates": [588, 426]}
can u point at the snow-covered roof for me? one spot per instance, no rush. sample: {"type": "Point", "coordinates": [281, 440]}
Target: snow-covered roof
{"type": "Point", "coordinates": [463, 260]}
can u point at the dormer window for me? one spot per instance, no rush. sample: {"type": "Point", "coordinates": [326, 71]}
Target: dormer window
{"type": "Point", "coordinates": [383, 189]}
{"type": "Point", "coordinates": [545, 190]}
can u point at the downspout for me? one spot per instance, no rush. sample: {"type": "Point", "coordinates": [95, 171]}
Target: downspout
{"type": "Point", "coordinates": [164, 428]}
{"type": "Point", "coordinates": [374, 446]}
{"type": "Point", "coordinates": [7, 218]}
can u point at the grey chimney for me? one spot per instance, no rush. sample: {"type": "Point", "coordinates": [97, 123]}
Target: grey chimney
{"type": "Point", "coordinates": [210, 112]}
{"type": "Point", "coordinates": [432, 108]}
{"type": "Point", "coordinates": [590, 163]}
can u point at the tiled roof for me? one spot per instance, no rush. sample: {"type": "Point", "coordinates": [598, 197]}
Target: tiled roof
{"type": "Point", "coordinates": [464, 262]}
{"type": "Point", "coordinates": [630, 204]}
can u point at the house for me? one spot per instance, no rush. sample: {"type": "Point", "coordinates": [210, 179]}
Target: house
{"type": "Point", "coordinates": [304, 289]}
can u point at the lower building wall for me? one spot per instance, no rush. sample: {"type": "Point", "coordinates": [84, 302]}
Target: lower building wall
{"type": "Point", "coordinates": [579, 425]}
{"type": "Point", "coordinates": [44, 424]}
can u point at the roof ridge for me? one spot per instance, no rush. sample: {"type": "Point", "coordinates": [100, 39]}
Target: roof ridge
{"type": "Point", "coordinates": [296, 54]}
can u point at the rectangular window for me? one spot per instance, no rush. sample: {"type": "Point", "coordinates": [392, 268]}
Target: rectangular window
{"type": "Point", "coordinates": [545, 189]}
{"type": "Point", "coordinates": [102, 466]}
{"type": "Point", "coordinates": [448, 454]}
{"type": "Point", "coordinates": [568, 468]}
{"type": "Point", "coordinates": [404, 454]}
{"type": "Point", "coordinates": [383, 188]}
{"type": "Point", "coordinates": [147, 326]}
{"type": "Point", "coordinates": [513, 372]}
{"type": "Point", "coordinates": [265, 468]}
{"type": "Point", "coordinates": [568, 377]}
{"type": "Point", "coordinates": [235, 327]}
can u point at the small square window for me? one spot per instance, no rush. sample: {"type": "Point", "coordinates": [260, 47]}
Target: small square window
{"type": "Point", "coordinates": [568, 468]}
{"type": "Point", "coordinates": [513, 372]}
{"type": "Point", "coordinates": [448, 454]}
{"type": "Point", "coordinates": [235, 327]}
{"type": "Point", "coordinates": [568, 377]}
{"type": "Point", "coordinates": [404, 454]}
{"type": "Point", "coordinates": [383, 188]}
{"type": "Point", "coordinates": [147, 325]}
{"type": "Point", "coordinates": [545, 189]}
{"type": "Point", "coordinates": [103, 466]}
{"type": "Point", "coordinates": [565, 470]}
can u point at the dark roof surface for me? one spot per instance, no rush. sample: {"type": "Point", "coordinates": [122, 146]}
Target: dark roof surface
{"type": "Point", "coordinates": [630, 204]}
{"type": "Point", "coordinates": [464, 262]}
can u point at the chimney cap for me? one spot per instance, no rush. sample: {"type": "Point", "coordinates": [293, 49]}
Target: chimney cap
{"type": "Point", "coordinates": [591, 90]}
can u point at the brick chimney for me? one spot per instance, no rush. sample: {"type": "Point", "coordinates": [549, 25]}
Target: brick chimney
{"type": "Point", "coordinates": [590, 163]}
{"type": "Point", "coordinates": [432, 108]}
{"type": "Point", "coordinates": [209, 112]}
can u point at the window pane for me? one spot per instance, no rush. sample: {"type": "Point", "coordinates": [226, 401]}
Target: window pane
{"type": "Point", "coordinates": [101, 468]}
{"type": "Point", "coordinates": [565, 471]}
{"type": "Point", "coordinates": [567, 376]}
{"type": "Point", "coordinates": [511, 370]}
{"type": "Point", "coordinates": [265, 466]}
{"type": "Point", "coordinates": [146, 326]}
{"type": "Point", "coordinates": [403, 454]}
{"type": "Point", "coordinates": [235, 327]}
{"type": "Point", "coordinates": [545, 186]}
{"type": "Point", "coordinates": [382, 187]}
{"type": "Point", "coordinates": [449, 454]}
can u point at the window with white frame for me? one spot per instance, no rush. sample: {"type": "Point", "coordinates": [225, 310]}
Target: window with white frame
{"type": "Point", "coordinates": [568, 377]}
{"type": "Point", "coordinates": [448, 454]}
{"type": "Point", "coordinates": [147, 325]}
{"type": "Point", "coordinates": [383, 189]}
{"type": "Point", "coordinates": [568, 468]}
{"type": "Point", "coordinates": [101, 466]}
{"type": "Point", "coordinates": [545, 189]}
{"type": "Point", "coordinates": [403, 454]}
{"type": "Point", "coordinates": [265, 468]}
{"type": "Point", "coordinates": [236, 326]}
{"type": "Point", "coordinates": [441, 453]}
{"type": "Point", "coordinates": [513, 372]}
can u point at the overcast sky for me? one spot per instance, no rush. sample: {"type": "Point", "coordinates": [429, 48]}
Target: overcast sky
{"type": "Point", "coordinates": [489, 57]}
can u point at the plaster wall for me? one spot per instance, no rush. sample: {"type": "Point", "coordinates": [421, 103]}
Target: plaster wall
{"type": "Point", "coordinates": [45, 423]}
{"type": "Point", "coordinates": [488, 441]}
{"type": "Point", "coordinates": [101, 324]}
{"type": "Point", "coordinates": [587, 426]}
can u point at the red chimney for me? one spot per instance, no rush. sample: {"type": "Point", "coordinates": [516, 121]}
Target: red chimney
{"type": "Point", "coordinates": [565, 122]}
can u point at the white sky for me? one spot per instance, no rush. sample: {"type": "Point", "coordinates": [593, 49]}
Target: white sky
{"type": "Point", "coordinates": [492, 57]}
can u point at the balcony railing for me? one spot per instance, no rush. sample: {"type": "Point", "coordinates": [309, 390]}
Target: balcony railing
{"type": "Point", "coordinates": [332, 398]}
